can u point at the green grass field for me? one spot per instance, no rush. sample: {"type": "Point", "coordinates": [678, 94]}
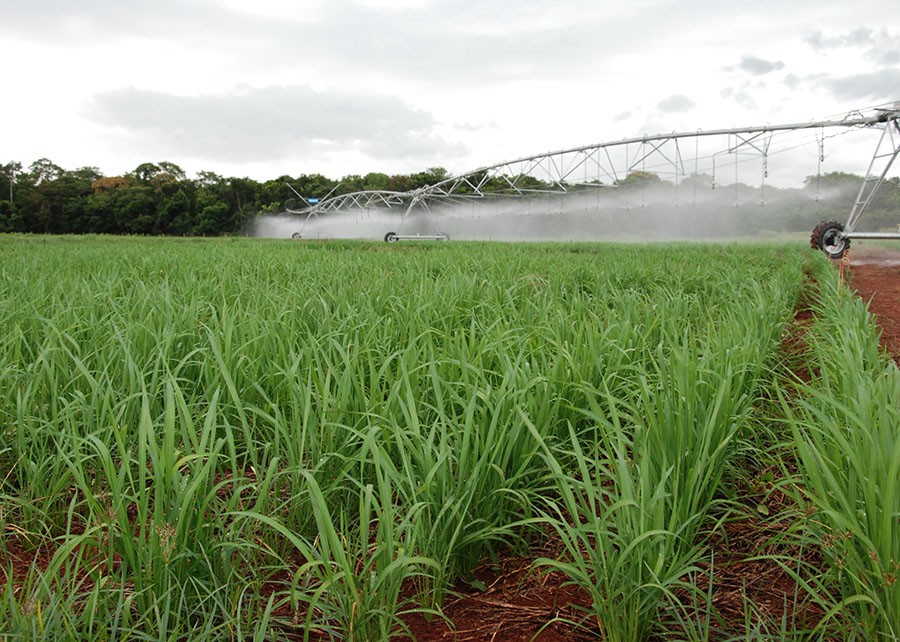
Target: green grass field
{"type": "Point", "coordinates": [246, 439]}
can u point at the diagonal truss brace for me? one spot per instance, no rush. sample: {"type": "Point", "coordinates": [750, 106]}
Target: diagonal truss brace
{"type": "Point", "coordinates": [885, 154]}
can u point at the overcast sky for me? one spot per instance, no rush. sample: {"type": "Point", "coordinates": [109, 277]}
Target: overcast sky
{"type": "Point", "coordinates": [274, 87]}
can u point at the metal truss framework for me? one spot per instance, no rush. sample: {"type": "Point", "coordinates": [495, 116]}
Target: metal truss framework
{"type": "Point", "coordinates": [610, 164]}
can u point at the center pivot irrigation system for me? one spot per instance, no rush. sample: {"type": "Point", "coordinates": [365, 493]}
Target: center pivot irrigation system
{"type": "Point", "coordinates": [675, 157]}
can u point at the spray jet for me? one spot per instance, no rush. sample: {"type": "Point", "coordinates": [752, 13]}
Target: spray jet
{"type": "Point", "coordinates": [312, 209]}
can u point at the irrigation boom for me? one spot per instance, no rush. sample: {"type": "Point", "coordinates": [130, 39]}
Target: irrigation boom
{"type": "Point", "coordinates": [606, 165]}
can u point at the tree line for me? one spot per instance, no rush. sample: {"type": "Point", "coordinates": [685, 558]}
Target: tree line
{"type": "Point", "coordinates": [159, 199]}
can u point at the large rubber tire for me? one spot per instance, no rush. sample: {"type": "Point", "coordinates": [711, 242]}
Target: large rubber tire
{"type": "Point", "coordinates": [827, 237]}
{"type": "Point", "coordinates": [296, 235]}
{"type": "Point", "coordinates": [391, 237]}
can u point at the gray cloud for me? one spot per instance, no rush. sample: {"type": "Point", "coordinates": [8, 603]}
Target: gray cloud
{"type": "Point", "coordinates": [740, 96]}
{"type": "Point", "coordinates": [888, 57]}
{"type": "Point", "coordinates": [857, 38]}
{"type": "Point", "coordinates": [880, 86]}
{"type": "Point", "coordinates": [792, 81]}
{"type": "Point", "coordinates": [881, 47]}
{"type": "Point", "coordinates": [676, 103]}
{"type": "Point", "coordinates": [885, 50]}
{"type": "Point", "coordinates": [272, 123]}
{"type": "Point", "coordinates": [758, 66]}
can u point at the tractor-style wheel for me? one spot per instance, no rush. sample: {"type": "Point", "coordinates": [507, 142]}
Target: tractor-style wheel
{"type": "Point", "coordinates": [828, 237]}
{"type": "Point", "coordinates": [391, 237]}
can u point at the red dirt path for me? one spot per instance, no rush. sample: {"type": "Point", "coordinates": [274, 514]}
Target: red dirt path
{"type": "Point", "coordinates": [875, 275]}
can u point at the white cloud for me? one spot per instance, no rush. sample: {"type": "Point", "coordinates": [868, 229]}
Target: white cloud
{"type": "Point", "coordinates": [758, 66]}
{"type": "Point", "coordinates": [879, 86]}
{"type": "Point", "coordinates": [678, 102]}
{"type": "Point", "coordinates": [270, 123]}
{"type": "Point", "coordinates": [880, 46]}
{"type": "Point", "coordinates": [861, 36]}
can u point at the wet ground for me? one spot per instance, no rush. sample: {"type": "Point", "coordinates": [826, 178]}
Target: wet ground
{"type": "Point", "coordinates": [875, 274]}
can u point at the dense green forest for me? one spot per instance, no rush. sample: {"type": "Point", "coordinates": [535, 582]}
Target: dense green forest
{"type": "Point", "coordinates": [160, 199]}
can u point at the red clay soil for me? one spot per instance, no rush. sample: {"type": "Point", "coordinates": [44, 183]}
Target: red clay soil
{"type": "Point", "coordinates": [512, 602]}
{"type": "Point", "coordinates": [875, 275]}
{"type": "Point", "coordinates": [523, 604]}
{"type": "Point", "coordinates": [18, 557]}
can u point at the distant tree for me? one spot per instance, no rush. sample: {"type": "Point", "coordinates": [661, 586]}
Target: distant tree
{"type": "Point", "coordinates": [350, 183]}
{"type": "Point", "coordinates": [830, 196]}
{"type": "Point", "coordinates": [399, 183]}
{"type": "Point", "coordinates": [376, 181]}
{"type": "Point", "coordinates": [51, 200]}
{"type": "Point", "coordinates": [242, 193]}
{"type": "Point", "coordinates": [527, 182]}
{"type": "Point", "coordinates": [831, 180]}
{"type": "Point", "coordinates": [158, 175]}
{"type": "Point", "coordinates": [884, 211]}
{"type": "Point", "coordinates": [110, 193]}
{"type": "Point", "coordinates": [135, 210]}
{"type": "Point", "coordinates": [314, 185]}
{"type": "Point", "coordinates": [9, 218]}
{"type": "Point", "coordinates": [637, 177]}
{"type": "Point", "coordinates": [213, 220]}
{"type": "Point", "coordinates": [8, 174]}
{"type": "Point", "coordinates": [173, 170]}
{"type": "Point", "coordinates": [209, 180]}
{"type": "Point", "coordinates": [276, 195]}
{"type": "Point", "coordinates": [211, 188]}
{"type": "Point", "coordinates": [175, 215]}
{"type": "Point", "coordinates": [101, 213]}
{"type": "Point", "coordinates": [44, 170]}
{"type": "Point", "coordinates": [429, 177]}
{"type": "Point", "coordinates": [145, 171]}
{"type": "Point", "coordinates": [106, 184]}
{"type": "Point", "coordinates": [698, 181]}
